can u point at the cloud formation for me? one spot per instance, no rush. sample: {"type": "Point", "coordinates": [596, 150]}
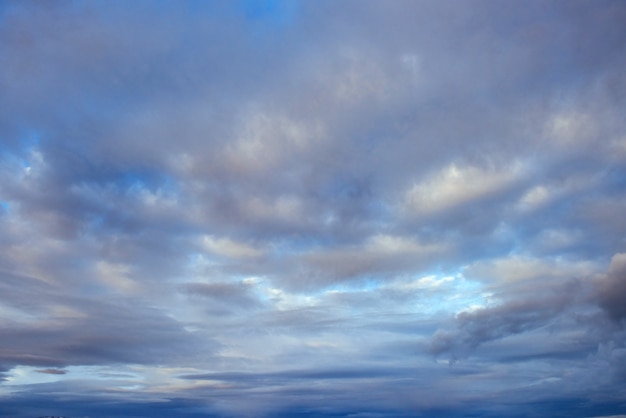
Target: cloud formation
{"type": "Point", "coordinates": [312, 208]}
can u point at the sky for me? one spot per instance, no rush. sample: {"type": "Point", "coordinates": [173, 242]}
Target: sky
{"type": "Point", "coordinates": [312, 208]}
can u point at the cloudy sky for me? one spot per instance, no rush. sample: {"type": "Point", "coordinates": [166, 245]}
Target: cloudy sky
{"type": "Point", "coordinates": [312, 208]}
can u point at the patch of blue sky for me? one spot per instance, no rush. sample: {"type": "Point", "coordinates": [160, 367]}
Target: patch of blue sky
{"type": "Point", "coordinates": [198, 7]}
{"type": "Point", "coordinates": [102, 373]}
{"type": "Point", "coordinates": [135, 180]}
{"type": "Point", "coordinates": [420, 297]}
{"type": "Point", "coordinates": [18, 162]}
{"type": "Point", "coordinates": [368, 284]}
{"type": "Point", "coordinates": [198, 262]}
{"type": "Point", "coordinates": [97, 221]}
{"type": "Point", "coordinates": [276, 12]}
{"type": "Point", "coordinates": [4, 10]}
{"type": "Point", "coordinates": [616, 179]}
{"type": "Point", "coordinates": [437, 293]}
{"type": "Point", "coordinates": [144, 179]}
{"type": "Point", "coordinates": [132, 183]}
{"type": "Point", "coordinates": [466, 295]}
{"type": "Point", "coordinates": [30, 138]}
{"type": "Point", "coordinates": [25, 141]}
{"type": "Point", "coordinates": [268, 18]}
{"type": "Point", "coordinates": [28, 375]}
{"type": "Point", "coordinates": [272, 12]}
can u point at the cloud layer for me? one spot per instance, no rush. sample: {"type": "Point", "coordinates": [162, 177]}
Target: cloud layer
{"type": "Point", "coordinates": [312, 208]}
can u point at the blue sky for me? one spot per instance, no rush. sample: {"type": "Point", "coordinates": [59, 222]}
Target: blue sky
{"type": "Point", "coordinates": [312, 208]}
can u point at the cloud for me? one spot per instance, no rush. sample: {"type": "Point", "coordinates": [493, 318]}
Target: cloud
{"type": "Point", "coordinates": [379, 257]}
{"type": "Point", "coordinates": [612, 287]}
{"type": "Point", "coordinates": [456, 186]}
{"type": "Point", "coordinates": [52, 371]}
{"type": "Point", "coordinates": [519, 268]}
{"type": "Point", "coordinates": [229, 248]}
{"type": "Point", "coordinates": [481, 325]}
{"type": "Point", "coordinates": [575, 296]}
{"type": "Point", "coordinates": [107, 335]}
{"type": "Point", "coordinates": [225, 297]}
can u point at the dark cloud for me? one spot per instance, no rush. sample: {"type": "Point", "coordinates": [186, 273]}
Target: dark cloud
{"type": "Point", "coordinates": [612, 288]}
{"type": "Point", "coordinates": [81, 330]}
{"type": "Point", "coordinates": [3, 373]}
{"type": "Point", "coordinates": [52, 371]}
{"type": "Point", "coordinates": [100, 336]}
{"type": "Point", "coordinates": [520, 314]}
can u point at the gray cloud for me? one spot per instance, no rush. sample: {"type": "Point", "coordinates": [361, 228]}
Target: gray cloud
{"type": "Point", "coordinates": [52, 371]}
{"type": "Point", "coordinates": [528, 300]}
{"type": "Point", "coordinates": [224, 297]}
{"type": "Point", "coordinates": [612, 288]}
{"type": "Point", "coordinates": [106, 334]}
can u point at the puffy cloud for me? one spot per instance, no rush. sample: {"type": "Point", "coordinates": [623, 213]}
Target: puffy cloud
{"type": "Point", "coordinates": [455, 186]}
{"type": "Point", "coordinates": [520, 314]}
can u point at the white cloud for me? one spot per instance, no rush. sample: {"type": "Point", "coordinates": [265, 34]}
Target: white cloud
{"type": "Point", "coordinates": [534, 198]}
{"type": "Point", "coordinates": [455, 185]}
{"type": "Point", "coordinates": [391, 244]}
{"type": "Point", "coordinates": [117, 276]}
{"type": "Point", "coordinates": [268, 139]}
{"type": "Point", "coordinates": [542, 195]}
{"type": "Point", "coordinates": [229, 248]}
{"type": "Point", "coordinates": [521, 268]}
{"type": "Point", "coordinates": [570, 129]}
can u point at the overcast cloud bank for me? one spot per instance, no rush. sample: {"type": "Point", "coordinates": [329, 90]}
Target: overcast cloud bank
{"type": "Point", "coordinates": [312, 208]}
